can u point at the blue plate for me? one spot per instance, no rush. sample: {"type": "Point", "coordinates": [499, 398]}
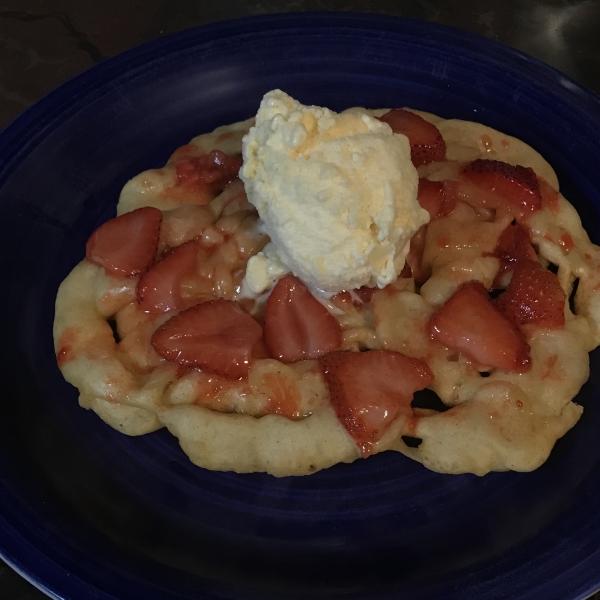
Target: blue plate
{"type": "Point", "coordinates": [87, 512]}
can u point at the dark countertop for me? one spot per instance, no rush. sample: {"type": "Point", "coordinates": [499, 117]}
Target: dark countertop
{"type": "Point", "coordinates": [45, 42]}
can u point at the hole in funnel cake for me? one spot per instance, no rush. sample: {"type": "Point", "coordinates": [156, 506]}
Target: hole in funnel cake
{"type": "Point", "coordinates": [552, 268]}
{"type": "Point", "coordinates": [429, 400]}
{"type": "Point", "coordinates": [113, 327]}
{"type": "Point", "coordinates": [412, 442]}
{"type": "Point", "coordinates": [494, 293]}
{"type": "Point", "coordinates": [573, 294]}
{"type": "Point", "coordinates": [484, 373]}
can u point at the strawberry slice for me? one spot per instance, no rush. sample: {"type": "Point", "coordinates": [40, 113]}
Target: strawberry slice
{"type": "Point", "coordinates": [469, 323]}
{"type": "Point", "coordinates": [498, 185]}
{"type": "Point", "coordinates": [297, 325]}
{"type": "Point", "coordinates": [159, 289]}
{"type": "Point", "coordinates": [260, 349]}
{"type": "Point", "coordinates": [426, 142]}
{"type": "Point", "coordinates": [431, 196]}
{"type": "Point", "coordinates": [217, 336]}
{"type": "Point", "coordinates": [534, 295]}
{"type": "Point", "coordinates": [211, 171]}
{"type": "Point", "coordinates": [126, 246]}
{"type": "Point", "coordinates": [368, 390]}
{"type": "Point", "coordinates": [513, 247]}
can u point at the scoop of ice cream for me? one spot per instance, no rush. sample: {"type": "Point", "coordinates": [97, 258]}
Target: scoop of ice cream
{"type": "Point", "coordinates": [337, 194]}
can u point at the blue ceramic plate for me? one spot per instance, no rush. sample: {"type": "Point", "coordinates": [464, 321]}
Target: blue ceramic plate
{"type": "Point", "coordinates": [87, 512]}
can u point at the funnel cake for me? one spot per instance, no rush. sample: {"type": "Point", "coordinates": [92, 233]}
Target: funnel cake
{"type": "Point", "coordinates": [493, 316]}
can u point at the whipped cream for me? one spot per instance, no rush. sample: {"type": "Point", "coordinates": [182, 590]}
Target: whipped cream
{"type": "Point", "coordinates": [337, 194]}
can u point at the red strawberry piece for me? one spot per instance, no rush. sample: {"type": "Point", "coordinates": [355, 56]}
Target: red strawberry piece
{"type": "Point", "coordinates": [218, 336]}
{"type": "Point", "coordinates": [297, 326]}
{"type": "Point", "coordinates": [513, 247]}
{"type": "Point", "coordinates": [368, 390]}
{"type": "Point", "coordinates": [534, 295]}
{"type": "Point", "coordinates": [406, 272]}
{"type": "Point", "coordinates": [126, 246]}
{"type": "Point", "coordinates": [431, 196]}
{"type": "Point", "coordinates": [469, 323]}
{"type": "Point", "coordinates": [448, 202]}
{"type": "Point", "coordinates": [426, 142]}
{"type": "Point", "coordinates": [211, 171]}
{"type": "Point", "coordinates": [260, 349]}
{"type": "Point", "coordinates": [498, 185]}
{"type": "Point", "coordinates": [159, 289]}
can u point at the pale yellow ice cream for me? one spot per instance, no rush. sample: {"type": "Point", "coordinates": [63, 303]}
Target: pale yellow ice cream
{"type": "Point", "coordinates": [337, 194]}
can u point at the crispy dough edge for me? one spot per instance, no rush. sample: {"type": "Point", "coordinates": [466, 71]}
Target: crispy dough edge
{"type": "Point", "coordinates": [273, 444]}
{"type": "Point", "coordinates": [75, 308]}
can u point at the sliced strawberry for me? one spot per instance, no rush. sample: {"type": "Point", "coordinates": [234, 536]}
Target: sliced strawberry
{"type": "Point", "coordinates": [448, 202]}
{"type": "Point", "coordinates": [497, 185]}
{"type": "Point", "coordinates": [260, 349]}
{"type": "Point", "coordinates": [431, 196]}
{"type": "Point", "coordinates": [211, 171]}
{"type": "Point", "coordinates": [513, 247]}
{"type": "Point", "coordinates": [217, 335]}
{"type": "Point", "coordinates": [426, 142]}
{"type": "Point", "coordinates": [534, 295]}
{"type": "Point", "coordinates": [159, 289]}
{"type": "Point", "coordinates": [368, 390]}
{"type": "Point", "coordinates": [126, 246]}
{"type": "Point", "coordinates": [297, 326]}
{"type": "Point", "coordinates": [469, 323]}
{"type": "Point", "coordinates": [406, 272]}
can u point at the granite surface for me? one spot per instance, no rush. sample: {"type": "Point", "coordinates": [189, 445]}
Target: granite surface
{"type": "Point", "coordinates": [45, 42]}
